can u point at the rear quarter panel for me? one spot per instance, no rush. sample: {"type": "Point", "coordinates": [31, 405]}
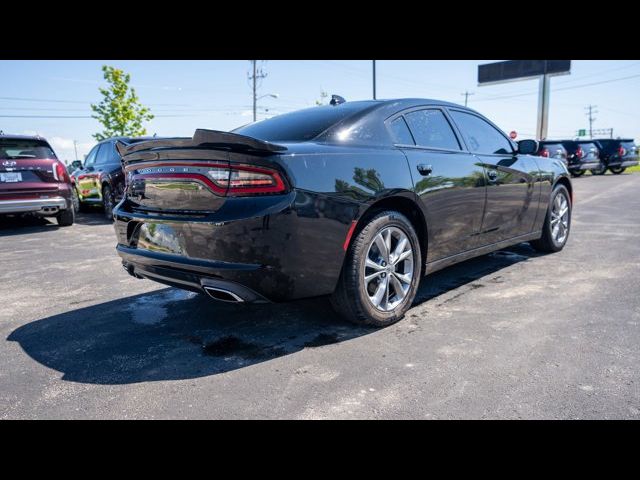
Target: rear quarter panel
{"type": "Point", "coordinates": [551, 171]}
{"type": "Point", "coordinates": [333, 187]}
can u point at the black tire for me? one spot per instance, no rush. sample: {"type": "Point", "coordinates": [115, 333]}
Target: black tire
{"type": "Point", "coordinates": [350, 298]}
{"type": "Point", "coordinates": [617, 170]}
{"type": "Point", "coordinates": [577, 173]}
{"type": "Point", "coordinates": [108, 202]}
{"type": "Point", "coordinates": [75, 200]}
{"type": "Point", "coordinates": [600, 171]}
{"type": "Point", "coordinates": [547, 243]}
{"type": "Point", "coordinates": [66, 217]}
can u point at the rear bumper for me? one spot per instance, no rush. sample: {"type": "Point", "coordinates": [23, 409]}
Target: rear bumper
{"type": "Point", "coordinates": [44, 206]}
{"type": "Point", "coordinates": [625, 164]}
{"type": "Point", "coordinates": [272, 248]}
{"type": "Point", "coordinates": [188, 274]}
{"type": "Point", "coordinates": [584, 166]}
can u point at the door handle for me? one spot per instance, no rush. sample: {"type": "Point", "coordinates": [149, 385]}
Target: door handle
{"type": "Point", "coordinates": [493, 175]}
{"type": "Point", "coordinates": [424, 169]}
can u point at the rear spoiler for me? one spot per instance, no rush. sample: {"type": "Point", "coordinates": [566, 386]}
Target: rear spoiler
{"type": "Point", "coordinates": [205, 139]}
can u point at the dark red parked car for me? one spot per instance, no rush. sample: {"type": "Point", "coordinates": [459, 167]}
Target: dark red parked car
{"type": "Point", "coordinates": [33, 181]}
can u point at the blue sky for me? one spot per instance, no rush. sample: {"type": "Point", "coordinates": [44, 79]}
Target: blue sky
{"type": "Point", "coordinates": [185, 95]}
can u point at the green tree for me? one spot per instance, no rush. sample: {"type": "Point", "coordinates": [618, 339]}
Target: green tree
{"type": "Point", "coordinates": [323, 98]}
{"type": "Point", "coordinates": [120, 111]}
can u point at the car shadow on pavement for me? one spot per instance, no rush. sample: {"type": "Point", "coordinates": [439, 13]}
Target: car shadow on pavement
{"type": "Point", "coordinates": [92, 218]}
{"type": "Point", "coordinates": [170, 334]}
{"type": "Point", "coordinates": [27, 224]}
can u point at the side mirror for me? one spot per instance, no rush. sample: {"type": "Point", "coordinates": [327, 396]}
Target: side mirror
{"type": "Point", "coordinates": [527, 147]}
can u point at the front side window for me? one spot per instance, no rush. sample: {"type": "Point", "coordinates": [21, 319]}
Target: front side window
{"type": "Point", "coordinates": [481, 137]}
{"type": "Point", "coordinates": [430, 128]}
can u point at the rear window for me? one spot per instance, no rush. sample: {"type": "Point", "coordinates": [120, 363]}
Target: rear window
{"type": "Point", "coordinates": [301, 125]}
{"type": "Point", "coordinates": [25, 149]}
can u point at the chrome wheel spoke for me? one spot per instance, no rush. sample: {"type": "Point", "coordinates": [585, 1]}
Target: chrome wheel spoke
{"type": "Point", "coordinates": [404, 256]}
{"type": "Point", "coordinates": [398, 288]}
{"type": "Point", "coordinates": [370, 277]}
{"type": "Point", "coordinates": [371, 264]}
{"type": "Point", "coordinates": [382, 247]}
{"type": "Point", "coordinates": [404, 278]}
{"type": "Point", "coordinates": [381, 291]}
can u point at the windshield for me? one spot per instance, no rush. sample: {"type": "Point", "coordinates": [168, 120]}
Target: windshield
{"type": "Point", "coordinates": [301, 125]}
{"type": "Point", "coordinates": [25, 149]}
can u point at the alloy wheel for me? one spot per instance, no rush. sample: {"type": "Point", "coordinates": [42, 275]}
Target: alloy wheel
{"type": "Point", "coordinates": [388, 268]}
{"type": "Point", "coordinates": [560, 219]}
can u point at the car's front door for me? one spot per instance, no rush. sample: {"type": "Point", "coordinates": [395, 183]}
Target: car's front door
{"type": "Point", "coordinates": [512, 197]}
{"type": "Point", "coordinates": [449, 181]}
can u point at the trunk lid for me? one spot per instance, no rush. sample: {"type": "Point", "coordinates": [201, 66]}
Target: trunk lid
{"type": "Point", "coordinates": [188, 175]}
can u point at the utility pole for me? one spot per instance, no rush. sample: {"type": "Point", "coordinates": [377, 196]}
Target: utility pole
{"type": "Point", "coordinates": [374, 79]}
{"type": "Point", "coordinates": [590, 111]}
{"type": "Point", "coordinates": [75, 147]}
{"type": "Point", "coordinates": [258, 74]}
{"type": "Point", "coordinates": [466, 96]}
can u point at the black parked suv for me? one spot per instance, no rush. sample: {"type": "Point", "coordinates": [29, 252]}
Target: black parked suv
{"type": "Point", "coordinates": [583, 155]}
{"type": "Point", "coordinates": [617, 155]}
{"type": "Point", "coordinates": [552, 149]}
{"type": "Point", "coordinates": [100, 181]}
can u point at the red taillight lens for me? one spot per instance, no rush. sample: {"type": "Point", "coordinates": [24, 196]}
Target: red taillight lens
{"type": "Point", "coordinates": [579, 152]}
{"type": "Point", "coordinates": [622, 151]}
{"type": "Point", "coordinates": [60, 172]}
{"type": "Point", "coordinates": [544, 152]}
{"type": "Point", "coordinates": [234, 181]}
{"type": "Point", "coordinates": [249, 180]}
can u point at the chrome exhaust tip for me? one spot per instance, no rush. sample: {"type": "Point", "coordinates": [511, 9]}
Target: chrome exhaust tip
{"type": "Point", "coordinates": [223, 295]}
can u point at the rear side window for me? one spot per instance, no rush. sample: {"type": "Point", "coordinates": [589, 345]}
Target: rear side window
{"type": "Point", "coordinates": [400, 132]}
{"type": "Point", "coordinates": [430, 128]}
{"type": "Point", "coordinates": [25, 149]}
{"type": "Point", "coordinates": [481, 136]}
{"type": "Point", "coordinates": [301, 125]}
{"type": "Point", "coordinates": [103, 154]}
{"type": "Point", "coordinates": [91, 158]}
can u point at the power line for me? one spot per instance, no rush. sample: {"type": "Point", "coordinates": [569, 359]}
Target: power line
{"type": "Point", "coordinates": [87, 116]}
{"type": "Point", "coordinates": [572, 87]}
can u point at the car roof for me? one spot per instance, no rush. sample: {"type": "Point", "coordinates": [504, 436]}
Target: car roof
{"type": "Point", "coordinates": [23, 137]}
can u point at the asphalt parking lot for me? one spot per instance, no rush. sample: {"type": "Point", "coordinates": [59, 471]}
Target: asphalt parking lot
{"type": "Point", "coordinates": [514, 334]}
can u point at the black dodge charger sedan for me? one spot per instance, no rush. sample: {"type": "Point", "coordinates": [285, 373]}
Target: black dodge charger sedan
{"type": "Point", "coordinates": [356, 200]}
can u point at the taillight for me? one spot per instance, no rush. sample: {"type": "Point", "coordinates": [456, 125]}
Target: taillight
{"type": "Point", "coordinates": [621, 151]}
{"type": "Point", "coordinates": [579, 152]}
{"type": "Point", "coordinates": [232, 181]}
{"type": "Point", "coordinates": [248, 180]}
{"type": "Point", "coordinates": [544, 152]}
{"type": "Point", "coordinates": [60, 173]}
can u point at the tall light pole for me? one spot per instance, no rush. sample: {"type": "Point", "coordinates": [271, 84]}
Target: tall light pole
{"type": "Point", "coordinates": [374, 79]}
{"type": "Point", "coordinates": [258, 74]}
{"type": "Point", "coordinates": [590, 111]}
{"type": "Point", "coordinates": [75, 147]}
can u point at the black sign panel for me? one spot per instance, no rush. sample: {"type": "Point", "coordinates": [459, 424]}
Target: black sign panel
{"type": "Point", "coordinates": [516, 69]}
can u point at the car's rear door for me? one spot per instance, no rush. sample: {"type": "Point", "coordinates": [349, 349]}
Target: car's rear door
{"type": "Point", "coordinates": [512, 199]}
{"type": "Point", "coordinates": [449, 180]}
